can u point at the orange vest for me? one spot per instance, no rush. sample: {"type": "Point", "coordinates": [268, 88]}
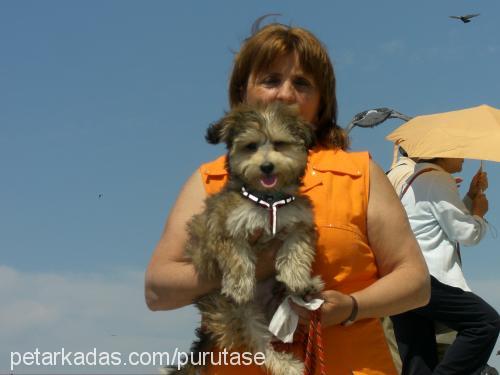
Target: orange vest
{"type": "Point", "coordinates": [337, 184]}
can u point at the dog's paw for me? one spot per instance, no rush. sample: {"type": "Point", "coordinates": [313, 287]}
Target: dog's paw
{"type": "Point", "coordinates": [281, 363]}
{"type": "Point", "coordinates": [303, 286]}
{"type": "Point", "coordinates": [241, 290]}
{"type": "Point", "coordinates": [295, 283]}
{"type": "Point", "coordinates": [316, 285]}
{"type": "Point", "coordinates": [293, 367]}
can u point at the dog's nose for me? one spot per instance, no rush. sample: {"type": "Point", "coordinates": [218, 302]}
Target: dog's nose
{"type": "Point", "coordinates": [267, 168]}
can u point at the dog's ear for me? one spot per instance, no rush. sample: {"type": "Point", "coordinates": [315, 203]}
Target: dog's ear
{"type": "Point", "coordinates": [220, 131]}
{"type": "Point", "coordinates": [213, 135]}
{"type": "Point", "coordinates": [310, 136]}
{"type": "Point", "coordinates": [300, 127]}
{"type": "Point", "coordinates": [306, 133]}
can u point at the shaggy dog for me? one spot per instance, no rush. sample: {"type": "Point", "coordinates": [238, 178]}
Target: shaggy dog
{"type": "Point", "coordinates": [267, 156]}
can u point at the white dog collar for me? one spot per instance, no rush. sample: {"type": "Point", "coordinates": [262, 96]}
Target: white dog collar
{"type": "Point", "coordinates": [271, 207]}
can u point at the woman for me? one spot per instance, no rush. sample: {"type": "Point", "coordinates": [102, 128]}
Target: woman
{"type": "Point", "coordinates": [365, 251]}
{"type": "Point", "coordinates": [441, 221]}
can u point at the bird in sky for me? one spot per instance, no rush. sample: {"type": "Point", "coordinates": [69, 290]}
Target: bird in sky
{"type": "Point", "coordinates": [466, 18]}
{"type": "Point", "coordinates": [374, 117]}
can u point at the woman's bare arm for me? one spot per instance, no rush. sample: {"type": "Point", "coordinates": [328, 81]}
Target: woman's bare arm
{"type": "Point", "coordinates": [405, 280]}
{"type": "Point", "coordinates": [171, 279]}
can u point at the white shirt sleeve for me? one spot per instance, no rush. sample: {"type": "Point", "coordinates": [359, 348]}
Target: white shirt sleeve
{"type": "Point", "coordinates": [452, 214]}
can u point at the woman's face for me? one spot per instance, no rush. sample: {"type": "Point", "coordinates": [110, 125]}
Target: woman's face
{"type": "Point", "coordinates": [285, 81]}
{"type": "Point", "coordinates": [451, 165]}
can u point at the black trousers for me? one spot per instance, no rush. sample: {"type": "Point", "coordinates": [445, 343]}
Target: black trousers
{"type": "Point", "coordinates": [476, 322]}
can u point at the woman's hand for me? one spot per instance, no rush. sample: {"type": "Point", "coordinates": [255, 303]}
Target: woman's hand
{"type": "Point", "coordinates": [336, 308]}
{"type": "Point", "coordinates": [479, 205]}
{"type": "Point", "coordinates": [478, 184]}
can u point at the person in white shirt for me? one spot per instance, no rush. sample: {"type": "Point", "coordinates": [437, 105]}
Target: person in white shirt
{"type": "Point", "coordinates": [400, 172]}
{"type": "Point", "coordinates": [441, 221]}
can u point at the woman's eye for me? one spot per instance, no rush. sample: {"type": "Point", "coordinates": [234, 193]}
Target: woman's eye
{"type": "Point", "coordinates": [270, 81]}
{"type": "Point", "coordinates": [302, 82]}
{"type": "Point", "coordinates": [251, 147]}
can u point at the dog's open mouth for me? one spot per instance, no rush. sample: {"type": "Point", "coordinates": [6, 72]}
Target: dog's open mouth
{"type": "Point", "coordinates": [269, 181]}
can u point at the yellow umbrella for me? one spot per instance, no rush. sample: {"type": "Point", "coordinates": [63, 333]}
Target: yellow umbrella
{"type": "Point", "coordinates": [472, 133]}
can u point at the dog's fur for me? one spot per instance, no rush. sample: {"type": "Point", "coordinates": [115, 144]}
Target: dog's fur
{"type": "Point", "coordinates": [262, 141]}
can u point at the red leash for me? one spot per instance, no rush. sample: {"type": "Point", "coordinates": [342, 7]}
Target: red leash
{"type": "Point", "coordinates": [314, 336]}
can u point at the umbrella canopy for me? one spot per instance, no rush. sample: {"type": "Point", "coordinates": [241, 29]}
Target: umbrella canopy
{"type": "Point", "coordinates": [472, 133]}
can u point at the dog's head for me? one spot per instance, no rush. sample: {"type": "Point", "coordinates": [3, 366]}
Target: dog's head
{"type": "Point", "coordinates": [267, 145]}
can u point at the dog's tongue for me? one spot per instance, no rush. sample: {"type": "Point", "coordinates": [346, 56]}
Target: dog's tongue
{"type": "Point", "coordinates": [269, 181]}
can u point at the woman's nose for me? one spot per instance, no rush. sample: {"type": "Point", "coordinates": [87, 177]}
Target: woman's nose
{"type": "Point", "coordinates": [286, 93]}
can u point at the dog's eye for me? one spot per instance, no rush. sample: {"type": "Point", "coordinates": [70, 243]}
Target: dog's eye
{"type": "Point", "coordinates": [278, 145]}
{"type": "Point", "coordinates": [251, 147]}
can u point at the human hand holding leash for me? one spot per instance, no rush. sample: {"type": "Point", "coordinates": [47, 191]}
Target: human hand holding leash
{"type": "Point", "coordinates": [336, 309]}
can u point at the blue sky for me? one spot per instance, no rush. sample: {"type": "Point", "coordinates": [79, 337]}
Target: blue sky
{"type": "Point", "coordinates": [113, 98]}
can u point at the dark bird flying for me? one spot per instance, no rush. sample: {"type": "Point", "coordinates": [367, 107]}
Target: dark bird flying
{"type": "Point", "coordinates": [374, 117]}
{"type": "Point", "coordinates": [466, 18]}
